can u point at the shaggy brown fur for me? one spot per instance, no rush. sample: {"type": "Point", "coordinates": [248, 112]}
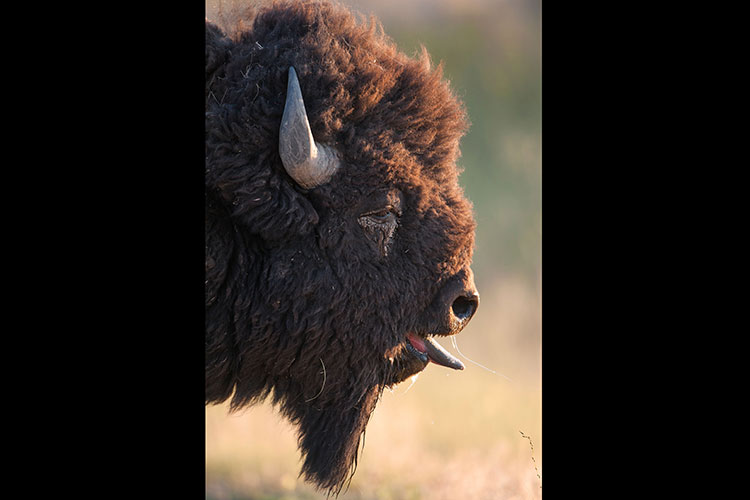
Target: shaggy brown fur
{"type": "Point", "coordinates": [308, 298]}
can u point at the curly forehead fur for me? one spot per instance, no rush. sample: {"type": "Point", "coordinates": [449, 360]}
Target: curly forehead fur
{"type": "Point", "coordinates": [305, 302]}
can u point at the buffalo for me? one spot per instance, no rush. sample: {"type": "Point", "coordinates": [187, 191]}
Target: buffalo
{"type": "Point", "coordinates": [338, 239]}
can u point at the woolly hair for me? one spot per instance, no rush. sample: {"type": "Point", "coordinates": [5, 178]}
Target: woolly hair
{"type": "Point", "coordinates": [301, 304]}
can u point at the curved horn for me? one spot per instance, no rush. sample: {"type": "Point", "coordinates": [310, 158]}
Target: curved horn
{"type": "Point", "coordinates": [310, 164]}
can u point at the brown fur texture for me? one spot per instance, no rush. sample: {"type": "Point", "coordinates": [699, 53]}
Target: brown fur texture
{"type": "Point", "coordinates": [310, 293]}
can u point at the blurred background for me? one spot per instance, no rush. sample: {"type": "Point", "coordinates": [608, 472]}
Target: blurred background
{"type": "Point", "coordinates": [474, 434]}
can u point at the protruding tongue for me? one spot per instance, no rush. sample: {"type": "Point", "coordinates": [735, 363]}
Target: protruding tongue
{"type": "Point", "coordinates": [435, 352]}
{"type": "Point", "coordinates": [440, 356]}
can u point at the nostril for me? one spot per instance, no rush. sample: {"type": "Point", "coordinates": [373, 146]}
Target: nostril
{"type": "Point", "coordinates": [464, 307]}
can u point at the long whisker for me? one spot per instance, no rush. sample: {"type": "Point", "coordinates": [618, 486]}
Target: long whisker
{"type": "Point", "coordinates": [455, 345]}
{"type": "Point", "coordinates": [413, 381]}
{"type": "Point", "coordinates": [324, 383]}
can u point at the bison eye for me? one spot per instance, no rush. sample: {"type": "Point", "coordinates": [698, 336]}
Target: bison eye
{"type": "Point", "coordinates": [381, 215]}
{"type": "Point", "coordinates": [379, 227]}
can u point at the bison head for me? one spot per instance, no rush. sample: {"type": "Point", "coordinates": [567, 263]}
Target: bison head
{"type": "Point", "coordinates": [338, 240]}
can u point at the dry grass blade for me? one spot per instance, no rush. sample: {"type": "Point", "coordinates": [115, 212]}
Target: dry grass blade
{"type": "Point", "coordinates": [532, 456]}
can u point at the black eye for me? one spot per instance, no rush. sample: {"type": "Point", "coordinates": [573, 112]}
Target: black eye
{"type": "Point", "coordinates": [379, 226]}
{"type": "Point", "coordinates": [381, 215]}
{"type": "Point", "coordinates": [385, 216]}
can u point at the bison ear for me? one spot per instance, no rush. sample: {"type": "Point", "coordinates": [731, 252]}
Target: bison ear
{"type": "Point", "coordinates": [217, 51]}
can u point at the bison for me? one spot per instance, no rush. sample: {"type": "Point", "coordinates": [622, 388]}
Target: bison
{"type": "Point", "coordinates": [338, 239]}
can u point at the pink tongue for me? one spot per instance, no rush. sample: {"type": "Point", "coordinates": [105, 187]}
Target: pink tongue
{"type": "Point", "coordinates": [417, 342]}
{"type": "Point", "coordinates": [434, 352]}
